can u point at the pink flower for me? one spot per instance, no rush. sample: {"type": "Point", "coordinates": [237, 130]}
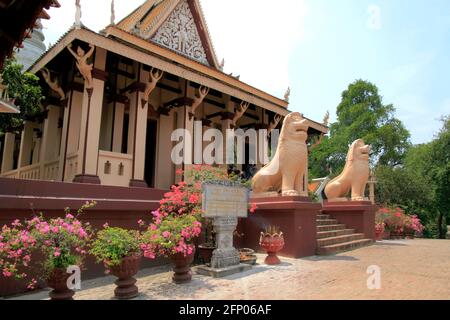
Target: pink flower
{"type": "Point", "coordinates": [166, 234]}
{"type": "Point", "coordinates": [7, 273]}
{"type": "Point", "coordinates": [106, 225]}
{"type": "Point", "coordinates": [57, 254]}
{"type": "Point", "coordinates": [194, 198]}
{"type": "Point", "coordinates": [69, 216]}
{"type": "Point", "coordinates": [55, 229]}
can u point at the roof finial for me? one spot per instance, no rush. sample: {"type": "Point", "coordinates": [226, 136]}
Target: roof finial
{"type": "Point", "coordinates": [326, 118]}
{"type": "Point", "coordinates": [77, 14]}
{"type": "Point", "coordinates": [113, 13]}
{"type": "Point", "coordinates": [222, 64]}
{"type": "Point", "coordinates": [287, 94]}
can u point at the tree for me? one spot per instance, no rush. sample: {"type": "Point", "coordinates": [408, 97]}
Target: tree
{"type": "Point", "coordinates": [422, 184]}
{"type": "Point", "coordinates": [436, 165]}
{"type": "Point", "coordinates": [362, 114]}
{"type": "Point", "coordinates": [24, 88]}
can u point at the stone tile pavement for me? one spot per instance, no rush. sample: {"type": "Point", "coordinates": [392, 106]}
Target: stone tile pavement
{"type": "Point", "coordinates": [410, 269]}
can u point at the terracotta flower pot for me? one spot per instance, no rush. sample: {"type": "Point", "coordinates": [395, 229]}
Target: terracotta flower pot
{"type": "Point", "coordinates": [125, 272]}
{"type": "Point", "coordinates": [182, 267]}
{"type": "Point", "coordinates": [396, 234]}
{"type": "Point", "coordinates": [410, 234]}
{"type": "Point", "coordinates": [206, 253]}
{"type": "Point", "coordinates": [379, 235]}
{"type": "Point", "coordinates": [271, 243]}
{"type": "Point", "coordinates": [57, 280]}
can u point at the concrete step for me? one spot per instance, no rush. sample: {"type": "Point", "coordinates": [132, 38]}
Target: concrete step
{"type": "Point", "coordinates": [326, 222]}
{"type": "Point", "coordinates": [334, 233]}
{"type": "Point", "coordinates": [341, 247]}
{"type": "Point", "coordinates": [339, 239]}
{"type": "Point", "coordinates": [331, 227]}
{"type": "Point", "coordinates": [323, 216]}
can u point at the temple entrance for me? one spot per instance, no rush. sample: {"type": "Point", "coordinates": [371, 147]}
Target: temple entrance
{"type": "Point", "coordinates": [150, 153]}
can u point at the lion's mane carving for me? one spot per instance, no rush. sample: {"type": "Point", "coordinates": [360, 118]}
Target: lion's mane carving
{"type": "Point", "coordinates": [354, 176]}
{"type": "Point", "coordinates": [288, 169]}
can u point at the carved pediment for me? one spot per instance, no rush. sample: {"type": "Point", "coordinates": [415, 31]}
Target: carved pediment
{"type": "Point", "coordinates": [179, 33]}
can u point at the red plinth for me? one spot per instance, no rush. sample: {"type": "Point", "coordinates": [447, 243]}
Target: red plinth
{"type": "Point", "coordinates": [296, 217]}
{"type": "Point", "coordinates": [358, 215]}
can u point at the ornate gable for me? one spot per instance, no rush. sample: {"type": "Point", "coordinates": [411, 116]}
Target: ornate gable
{"type": "Point", "coordinates": [179, 33]}
{"type": "Point", "coordinates": [178, 25]}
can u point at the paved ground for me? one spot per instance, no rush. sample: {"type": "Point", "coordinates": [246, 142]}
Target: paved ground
{"type": "Point", "coordinates": [410, 269]}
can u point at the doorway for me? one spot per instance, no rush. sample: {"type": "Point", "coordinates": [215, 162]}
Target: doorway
{"type": "Point", "coordinates": [150, 152]}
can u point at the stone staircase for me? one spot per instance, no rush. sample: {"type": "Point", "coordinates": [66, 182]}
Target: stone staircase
{"type": "Point", "coordinates": [333, 237]}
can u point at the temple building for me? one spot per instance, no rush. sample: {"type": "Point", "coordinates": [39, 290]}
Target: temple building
{"type": "Point", "coordinates": [111, 123]}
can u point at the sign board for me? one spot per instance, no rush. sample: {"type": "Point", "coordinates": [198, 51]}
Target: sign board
{"type": "Point", "coordinates": [222, 200]}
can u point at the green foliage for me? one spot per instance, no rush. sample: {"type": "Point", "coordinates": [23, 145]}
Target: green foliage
{"type": "Point", "coordinates": [113, 244]}
{"type": "Point", "coordinates": [422, 184]}
{"type": "Point", "coordinates": [24, 88]}
{"type": "Point", "coordinates": [361, 114]}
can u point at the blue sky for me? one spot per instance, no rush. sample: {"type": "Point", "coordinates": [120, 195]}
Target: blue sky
{"type": "Point", "coordinates": [318, 47]}
{"type": "Point", "coordinates": [407, 57]}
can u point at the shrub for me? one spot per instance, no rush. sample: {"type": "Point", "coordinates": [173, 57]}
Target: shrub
{"type": "Point", "coordinates": [113, 244]}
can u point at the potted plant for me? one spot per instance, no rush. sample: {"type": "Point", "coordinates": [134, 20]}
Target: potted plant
{"type": "Point", "coordinates": [272, 241]}
{"type": "Point", "coordinates": [209, 245]}
{"type": "Point", "coordinates": [379, 231]}
{"type": "Point", "coordinates": [412, 226]}
{"type": "Point", "coordinates": [61, 242]}
{"type": "Point", "coordinates": [120, 251]}
{"type": "Point", "coordinates": [395, 223]}
{"type": "Point", "coordinates": [172, 236]}
{"type": "Point", "coordinates": [380, 225]}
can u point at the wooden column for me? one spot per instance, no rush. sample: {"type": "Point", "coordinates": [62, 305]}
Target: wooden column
{"type": "Point", "coordinates": [91, 122]}
{"type": "Point", "coordinates": [118, 127]}
{"type": "Point", "coordinates": [140, 106]}
{"type": "Point", "coordinates": [8, 152]}
{"type": "Point", "coordinates": [26, 144]}
{"type": "Point", "coordinates": [50, 138]}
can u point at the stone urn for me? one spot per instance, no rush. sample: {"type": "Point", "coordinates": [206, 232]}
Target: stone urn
{"type": "Point", "coordinates": [272, 243]}
{"type": "Point", "coordinates": [182, 267]}
{"type": "Point", "coordinates": [206, 252]}
{"type": "Point", "coordinates": [57, 280]}
{"type": "Point", "coordinates": [125, 272]}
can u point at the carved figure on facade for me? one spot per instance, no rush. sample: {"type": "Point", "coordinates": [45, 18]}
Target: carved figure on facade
{"type": "Point", "coordinates": [53, 83]}
{"type": "Point", "coordinates": [82, 57]}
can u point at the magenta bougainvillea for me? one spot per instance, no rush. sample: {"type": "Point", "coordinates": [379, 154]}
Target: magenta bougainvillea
{"type": "Point", "coordinates": [61, 242]}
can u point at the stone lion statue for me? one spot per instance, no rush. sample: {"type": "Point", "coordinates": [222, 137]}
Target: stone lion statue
{"type": "Point", "coordinates": [287, 170]}
{"type": "Point", "coordinates": [354, 176]}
